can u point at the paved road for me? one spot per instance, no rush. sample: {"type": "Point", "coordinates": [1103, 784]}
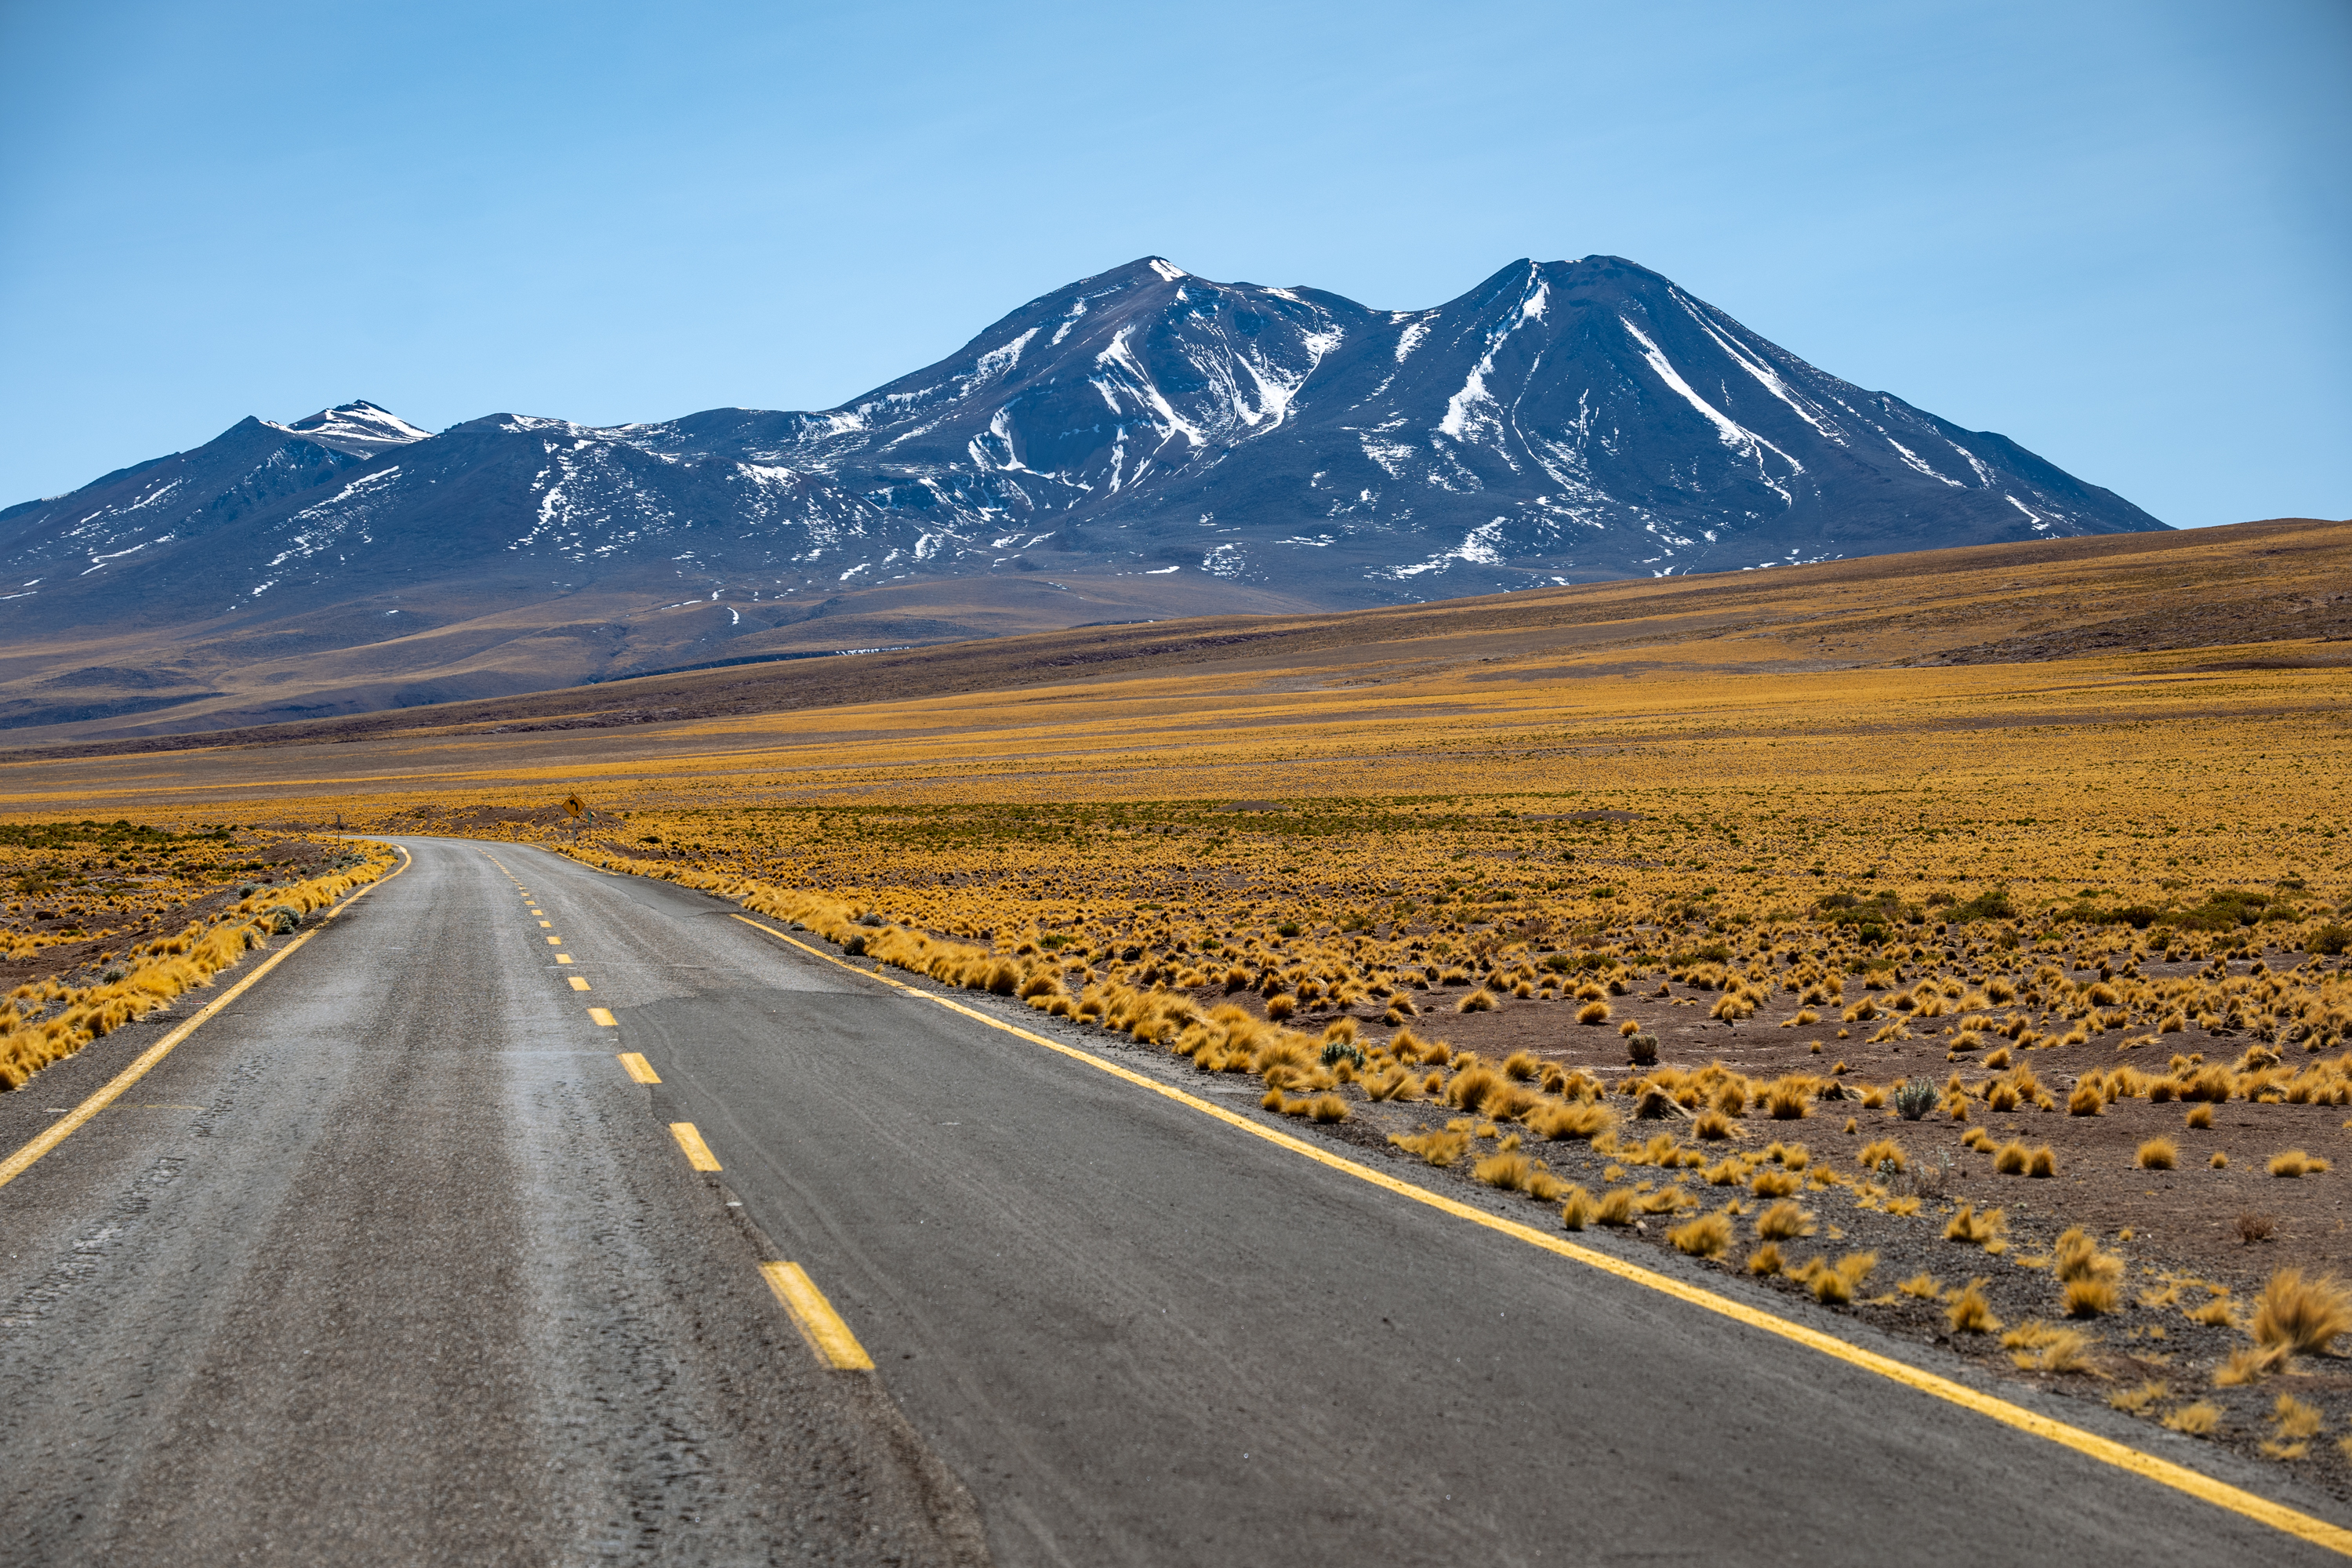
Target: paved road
{"type": "Point", "coordinates": [394, 1263]}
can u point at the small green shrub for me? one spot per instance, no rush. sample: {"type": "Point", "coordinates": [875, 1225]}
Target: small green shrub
{"type": "Point", "coordinates": [1913, 1098]}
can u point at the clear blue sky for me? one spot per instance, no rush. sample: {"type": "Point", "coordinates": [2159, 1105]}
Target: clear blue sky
{"type": "Point", "coordinates": [2118, 233]}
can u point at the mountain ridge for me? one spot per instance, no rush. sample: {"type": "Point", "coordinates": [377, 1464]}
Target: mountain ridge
{"type": "Point", "coordinates": [1142, 441]}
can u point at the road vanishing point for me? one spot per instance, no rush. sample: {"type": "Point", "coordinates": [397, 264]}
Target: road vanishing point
{"type": "Point", "coordinates": [533, 1215]}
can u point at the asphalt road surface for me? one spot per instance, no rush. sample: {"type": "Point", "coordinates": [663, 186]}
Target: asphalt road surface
{"type": "Point", "coordinates": [393, 1262]}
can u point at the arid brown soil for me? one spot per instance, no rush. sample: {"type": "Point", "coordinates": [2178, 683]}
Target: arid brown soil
{"type": "Point", "coordinates": [1989, 603]}
{"type": "Point", "coordinates": [2187, 1216]}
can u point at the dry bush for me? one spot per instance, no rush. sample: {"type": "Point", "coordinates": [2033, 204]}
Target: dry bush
{"type": "Point", "coordinates": [2293, 1425]}
{"type": "Point", "coordinates": [2247, 1365]}
{"type": "Point", "coordinates": [1783, 1221]}
{"type": "Point", "coordinates": [1974, 1228]}
{"type": "Point", "coordinates": [2043, 1347]}
{"type": "Point", "coordinates": [1440, 1148]}
{"type": "Point", "coordinates": [2089, 1279]}
{"type": "Point", "coordinates": [1833, 1285]}
{"type": "Point", "coordinates": [2294, 1163]}
{"type": "Point", "coordinates": [1579, 1120]}
{"type": "Point", "coordinates": [1969, 1313]}
{"type": "Point", "coordinates": [1616, 1207]}
{"type": "Point", "coordinates": [1881, 1152]}
{"type": "Point", "coordinates": [2299, 1316]}
{"type": "Point", "coordinates": [2196, 1420]}
{"type": "Point", "coordinates": [1577, 1212]}
{"type": "Point", "coordinates": [1515, 1173]}
{"type": "Point", "coordinates": [2252, 1226]}
{"type": "Point", "coordinates": [1707, 1236]}
{"type": "Point", "coordinates": [2157, 1155]}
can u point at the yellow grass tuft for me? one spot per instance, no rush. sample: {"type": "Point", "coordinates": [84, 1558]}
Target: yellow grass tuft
{"type": "Point", "coordinates": [1833, 1285]}
{"type": "Point", "coordinates": [1970, 1313]}
{"type": "Point", "coordinates": [2294, 1419]}
{"type": "Point", "coordinates": [1783, 1221]}
{"type": "Point", "coordinates": [2199, 1116]}
{"type": "Point", "coordinates": [1974, 1228]}
{"type": "Point", "coordinates": [1923, 1285]}
{"type": "Point", "coordinates": [2043, 1347]}
{"type": "Point", "coordinates": [1881, 1152]}
{"type": "Point", "coordinates": [2157, 1155]}
{"type": "Point", "coordinates": [1707, 1236]}
{"type": "Point", "coordinates": [2247, 1365]}
{"type": "Point", "coordinates": [1590, 1013]}
{"type": "Point", "coordinates": [2293, 1162]}
{"type": "Point", "coordinates": [2196, 1420]}
{"type": "Point", "coordinates": [2299, 1316]}
{"type": "Point", "coordinates": [2214, 1315]}
{"type": "Point", "coordinates": [1437, 1148]}
{"type": "Point", "coordinates": [1616, 1207]}
{"type": "Point", "coordinates": [1577, 1120]}
{"type": "Point", "coordinates": [2139, 1399]}
{"type": "Point", "coordinates": [1764, 1260]}
{"type": "Point", "coordinates": [2090, 1280]}
{"type": "Point", "coordinates": [1516, 1172]}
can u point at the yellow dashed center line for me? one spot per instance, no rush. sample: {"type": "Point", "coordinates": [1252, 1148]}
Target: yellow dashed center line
{"type": "Point", "coordinates": [813, 1316]}
{"type": "Point", "coordinates": [2105, 1450]}
{"type": "Point", "coordinates": [555, 942]}
{"type": "Point", "coordinates": [634, 1064]}
{"type": "Point", "coordinates": [544, 924]}
{"type": "Point", "coordinates": [697, 1153]}
{"type": "Point", "coordinates": [598, 1015]}
{"type": "Point", "coordinates": [562, 958]}
{"type": "Point", "coordinates": [579, 983]}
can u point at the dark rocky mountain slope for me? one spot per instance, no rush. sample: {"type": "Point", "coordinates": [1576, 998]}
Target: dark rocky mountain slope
{"type": "Point", "coordinates": [1139, 444]}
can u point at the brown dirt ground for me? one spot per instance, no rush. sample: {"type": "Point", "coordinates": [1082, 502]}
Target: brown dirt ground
{"type": "Point", "coordinates": [2190, 1214]}
{"type": "Point", "coordinates": [289, 860]}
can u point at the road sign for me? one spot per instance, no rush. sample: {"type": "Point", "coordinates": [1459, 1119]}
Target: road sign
{"type": "Point", "coordinates": [575, 806]}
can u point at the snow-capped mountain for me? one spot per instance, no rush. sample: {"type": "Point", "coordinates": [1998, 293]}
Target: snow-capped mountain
{"type": "Point", "coordinates": [1197, 444]}
{"type": "Point", "coordinates": [360, 428]}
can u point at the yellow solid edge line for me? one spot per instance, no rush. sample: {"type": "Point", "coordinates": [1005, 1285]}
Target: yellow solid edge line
{"type": "Point", "coordinates": [603, 1017]}
{"type": "Point", "coordinates": [15, 1164]}
{"type": "Point", "coordinates": [697, 1153]}
{"type": "Point", "coordinates": [813, 1316]}
{"type": "Point", "coordinates": [2107, 1450]}
{"type": "Point", "coordinates": [634, 1064]}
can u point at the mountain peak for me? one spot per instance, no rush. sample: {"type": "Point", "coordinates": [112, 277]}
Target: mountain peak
{"type": "Point", "coordinates": [360, 428]}
{"type": "Point", "coordinates": [1145, 439]}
